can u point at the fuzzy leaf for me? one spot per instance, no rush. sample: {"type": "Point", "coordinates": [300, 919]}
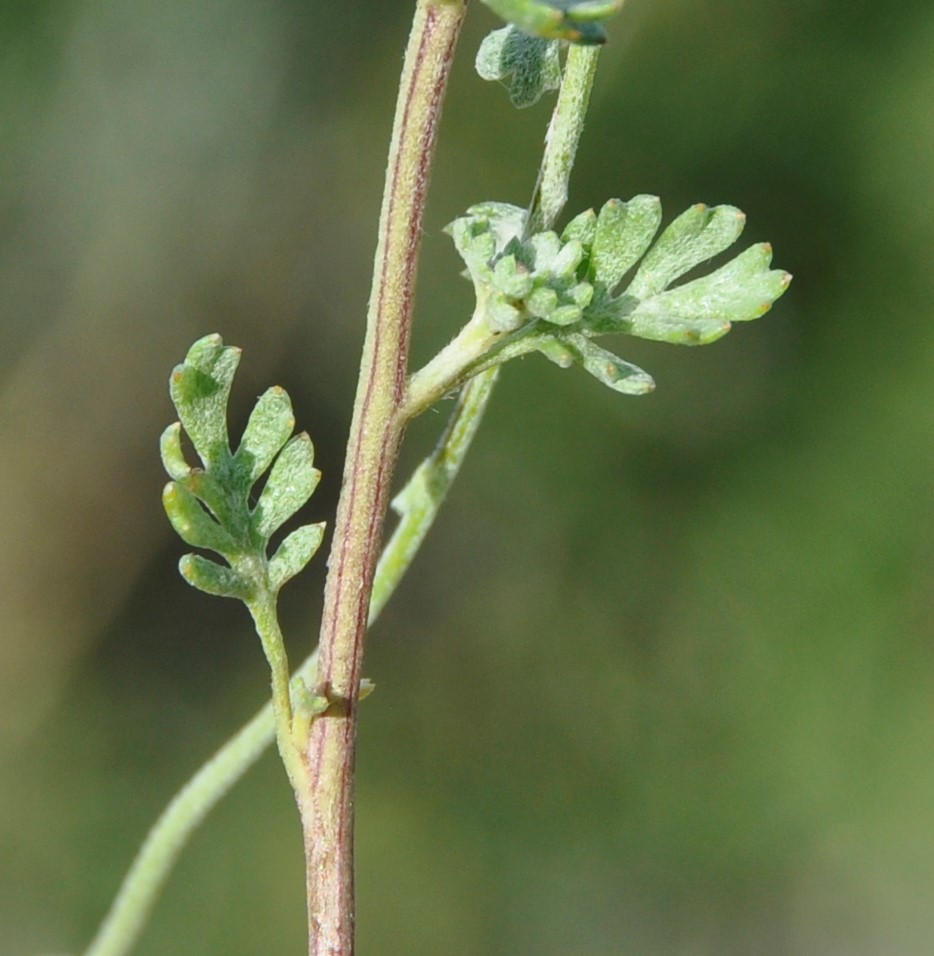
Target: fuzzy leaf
{"type": "Point", "coordinates": [213, 578]}
{"type": "Point", "coordinates": [583, 228]}
{"type": "Point", "coordinates": [291, 482]}
{"type": "Point", "coordinates": [170, 448]}
{"type": "Point", "coordinates": [200, 388]}
{"type": "Point", "coordinates": [271, 422]}
{"type": "Point", "coordinates": [624, 230]}
{"type": "Point", "coordinates": [695, 312]}
{"type": "Point", "coordinates": [192, 522]}
{"type": "Point", "coordinates": [570, 284]}
{"type": "Point", "coordinates": [568, 258]}
{"type": "Point", "coordinates": [702, 311]}
{"type": "Point", "coordinates": [296, 550]}
{"type": "Point", "coordinates": [532, 62]}
{"type": "Point", "coordinates": [621, 376]}
{"type": "Point", "coordinates": [210, 507]}
{"type": "Point", "coordinates": [694, 237]}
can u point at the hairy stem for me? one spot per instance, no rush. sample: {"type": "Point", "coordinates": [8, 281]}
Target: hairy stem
{"type": "Point", "coordinates": [419, 501]}
{"type": "Point", "coordinates": [562, 138]}
{"type": "Point", "coordinates": [372, 449]}
{"type": "Point", "coordinates": [170, 833]}
{"type": "Point", "coordinates": [266, 619]}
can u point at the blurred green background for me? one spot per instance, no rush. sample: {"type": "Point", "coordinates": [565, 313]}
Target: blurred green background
{"type": "Point", "coordinates": [662, 681]}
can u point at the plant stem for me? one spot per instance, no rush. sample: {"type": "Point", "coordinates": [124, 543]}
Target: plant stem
{"type": "Point", "coordinates": [170, 833]}
{"type": "Point", "coordinates": [452, 367]}
{"type": "Point", "coordinates": [194, 801]}
{"type": "Point", "coordinates": [562, 138]}
{"type": "Point", "coordinates": [266, 618]}
{"type": "Point", "coordinates": [419, 501]}
{"type": "Point", "coordinates": [372, 449]}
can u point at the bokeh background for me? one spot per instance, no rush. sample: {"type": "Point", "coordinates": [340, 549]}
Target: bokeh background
{"type": "Point", "coordinates": [662, 681]}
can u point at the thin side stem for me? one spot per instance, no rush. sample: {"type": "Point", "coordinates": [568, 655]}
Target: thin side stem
{"type": "Point", "coordinates": [154, 861]}
{"type": "Point", "coordinates": [266, 618]}
{"type": "Point", "coordinates": [452, 367]}
{"type": "Point", "coordinates": [563, 136]}
{"type": "Point", "coordinates": [372, 449]}
{"type": "Point", "coordinates": [419, 501]}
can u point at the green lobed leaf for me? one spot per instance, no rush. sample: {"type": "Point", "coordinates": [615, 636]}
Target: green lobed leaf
{"type": "Point", "coordinates": [583, 228]}
{"type": "Point", "coordinates": [295, 551]}
{"type": "Point", "coordinates": [622, 233]}
{"type": "Point", "coordinates": [555, 293]}
{"type": "Point", "coordinates": [193, 523]}
{"type": "Point", "coordinates": [702, 311]}
{"type": "Point", "coordinates": [565, 262]}
{"type": "Point", "coordinates": [271, 422]}
{"type": "Point", "coordinates": [200, 388]}
{"type": "Point", "coordinates": [621, 376]}
{"type": "Point", "coordinates": [208, 576]}
{"type": "Point", "coordinates": [217, 496]}
{"type": "Point", "coordinates": [290, 484]}
{"type": "Point", "coordinates": [170, 449]}
{"type": "Point", "coordinates": [528, 66]}
{"type": "Point", "coordinates": [694, 237]}
{"type": "Point", "coordinates": [210, 507]}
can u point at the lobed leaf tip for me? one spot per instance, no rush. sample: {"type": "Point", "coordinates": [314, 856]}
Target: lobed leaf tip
{"type": "Point", "coordinates": [186, 568]}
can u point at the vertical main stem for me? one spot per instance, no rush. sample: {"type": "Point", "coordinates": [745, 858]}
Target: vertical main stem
{"type": "Point", "coordinates": [327, 812]}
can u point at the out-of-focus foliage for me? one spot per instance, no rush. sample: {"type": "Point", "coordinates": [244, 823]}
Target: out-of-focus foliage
{"type": "Point", "coordinates": [579, 21]}
{"type": "Point", "coordinates": [661, 681]}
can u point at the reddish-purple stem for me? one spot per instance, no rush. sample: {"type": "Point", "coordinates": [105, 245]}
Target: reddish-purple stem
{"type": "Point", "coordinates": [376, 430]}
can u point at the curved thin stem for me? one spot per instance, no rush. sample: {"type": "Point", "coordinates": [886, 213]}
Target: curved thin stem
{"type": "Point", "coordinates": [418, 502]}
{"type": "Point", "coordinates": [170, 833]}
